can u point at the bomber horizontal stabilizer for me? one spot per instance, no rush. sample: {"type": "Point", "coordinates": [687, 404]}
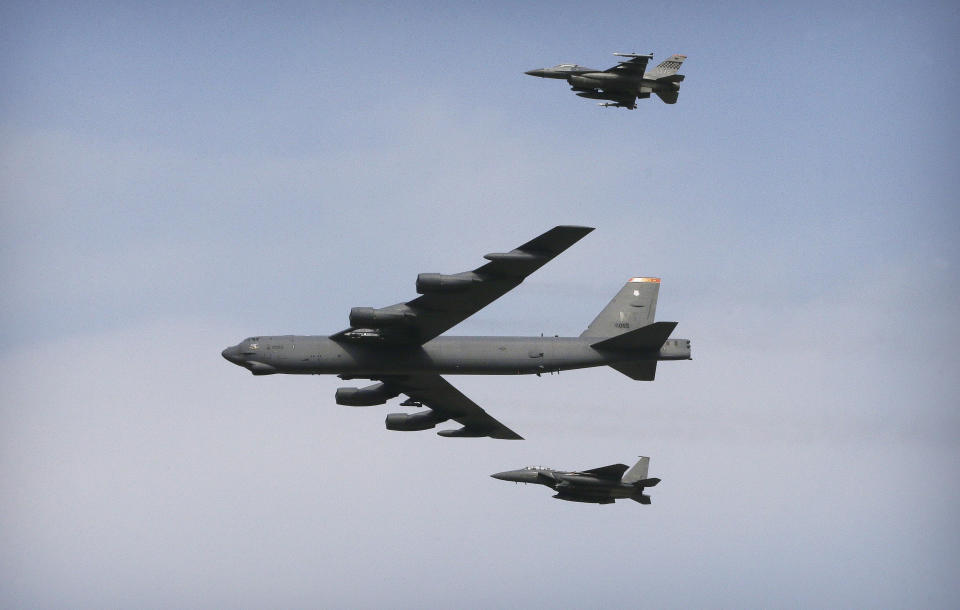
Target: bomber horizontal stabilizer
{"type": "Point", "coordinates": [643, 370]}
{"type": "Point", "coordinates": [651, 336]}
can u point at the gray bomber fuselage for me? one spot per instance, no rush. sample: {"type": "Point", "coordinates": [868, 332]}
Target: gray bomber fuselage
{"type": "Point", "coordinates": [319, 355]}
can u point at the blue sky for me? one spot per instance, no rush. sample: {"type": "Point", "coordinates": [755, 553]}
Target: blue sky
{"type": "Point", "coordinates": [175, 178]}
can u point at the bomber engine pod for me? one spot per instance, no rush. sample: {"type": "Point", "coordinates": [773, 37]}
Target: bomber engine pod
{"type": "Point", "coordinates": [440, 283]}
{"type": "Point", "coordinates": [368, 317]}
{"type": "Point", "coordinates": [375, 394]}
{"type": "Point", "coordinates": [409, 422]}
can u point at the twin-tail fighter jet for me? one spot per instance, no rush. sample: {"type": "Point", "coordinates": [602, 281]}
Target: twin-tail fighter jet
{"type": "Point", "coordinates": [624, 83]}
{"type": "Point", "coordinates": [400, 346]}
{"type": "Point", "coordinates": [602, 485]}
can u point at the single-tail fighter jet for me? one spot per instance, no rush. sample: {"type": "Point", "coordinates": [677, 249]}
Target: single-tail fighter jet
{"type": "Point", "coordinates": [399, 346]}
{"type": "Point", "coordinates": [624, 83]}
{"type": "Point", "coordinates": [602, 485]}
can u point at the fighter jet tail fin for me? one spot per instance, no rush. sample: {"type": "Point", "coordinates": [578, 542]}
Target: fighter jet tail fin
{"type": "Point", "coordinates": [668, 97]}
{"type": "Point", "coordinates": [638, 472]}
{"type": "Point", "coordinates": [666, 68]}
{"type": "Point", "coordinates": [633, 307]}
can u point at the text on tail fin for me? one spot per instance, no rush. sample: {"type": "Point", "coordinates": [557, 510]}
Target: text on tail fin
{"type": "Point", "coordinates": [667, 67]}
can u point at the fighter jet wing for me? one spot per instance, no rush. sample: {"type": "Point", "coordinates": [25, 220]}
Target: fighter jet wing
{"type": "Point", "coordinates": [635, 66]}
{"type": "Point", "coordinates": [447, 300]}
{"type": "Point", "coordinates": [448, 402]}
{"type": "Point", "coordinates": [613, 471]}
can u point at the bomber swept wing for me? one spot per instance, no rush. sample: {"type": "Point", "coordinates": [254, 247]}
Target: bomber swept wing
{"type": "Point", "coordinates": [447, 300]}
{"type": "Point", "coordinates": [444, 402]}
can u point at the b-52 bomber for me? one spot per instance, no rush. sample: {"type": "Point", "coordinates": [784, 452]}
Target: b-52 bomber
{"type": "Point", "coordinates": [624, 83]}
{"type": "Point", "coordinates": [602, 485]}
{"type": "Point", "coordinates": [399, 346]}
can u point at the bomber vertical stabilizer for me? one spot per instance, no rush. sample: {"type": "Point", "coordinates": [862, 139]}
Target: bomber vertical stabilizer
{"type": "Point", "coordinates": [632, 308]}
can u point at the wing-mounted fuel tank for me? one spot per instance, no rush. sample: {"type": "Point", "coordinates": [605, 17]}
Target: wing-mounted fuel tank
{"type": "Point", "coordinates": [439, 283]}
{"type": "Point", "coordinates": [409, 422]}
{"type": "Point", "coordinates": [375, 394]}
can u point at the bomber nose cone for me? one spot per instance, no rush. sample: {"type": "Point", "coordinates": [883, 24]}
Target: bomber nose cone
{"type": "Point", "coordinates": [232, 354]}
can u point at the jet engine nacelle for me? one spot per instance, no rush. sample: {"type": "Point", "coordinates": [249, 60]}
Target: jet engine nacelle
{"type": "Point", "coordinates": [408, 422]}
{"type": "Point", "coordinates": [368, 317]}
{"type": "Point", "coordinates": [375, 394]}
{"type": "Point", "coordinates": [440, 283]}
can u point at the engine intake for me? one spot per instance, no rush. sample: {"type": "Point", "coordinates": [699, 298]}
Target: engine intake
{"type": "Point", "coordinates": [409, 422]}
{"type": "Point", "coordinates": [375, 394]}
{"type": "Point", "coordinates": [440, 283]}
{"type": "Point", "coordinates": [368, 317]}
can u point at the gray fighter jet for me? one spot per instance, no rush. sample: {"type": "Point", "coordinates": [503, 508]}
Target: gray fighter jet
{"type": "Point", "coordinates": [399, 347]}
{"type": "Point", "coordinates": [624, 83]}
{"type": "Point", "coordinates": [602, 485]}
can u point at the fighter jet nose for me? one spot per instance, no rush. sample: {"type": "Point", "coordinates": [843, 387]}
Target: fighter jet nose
{"type": "Point", "coordinates": [534, 72]}
{"type": "Point", "coordinates": [500, 475]}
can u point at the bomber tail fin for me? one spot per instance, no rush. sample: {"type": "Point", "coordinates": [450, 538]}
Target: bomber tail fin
{"type": "Point", "coordinates": [633, 307]}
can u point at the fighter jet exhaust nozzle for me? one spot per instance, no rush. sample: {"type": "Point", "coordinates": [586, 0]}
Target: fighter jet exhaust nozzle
{"type": "Point", "coordinates": [375, 394]}
{"type": "Point", "coordinates": [368, 317]}
{"type": "Point", "coordinates": [439, 283]}
{"type": "Point", "coordinates": [410, 422]}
